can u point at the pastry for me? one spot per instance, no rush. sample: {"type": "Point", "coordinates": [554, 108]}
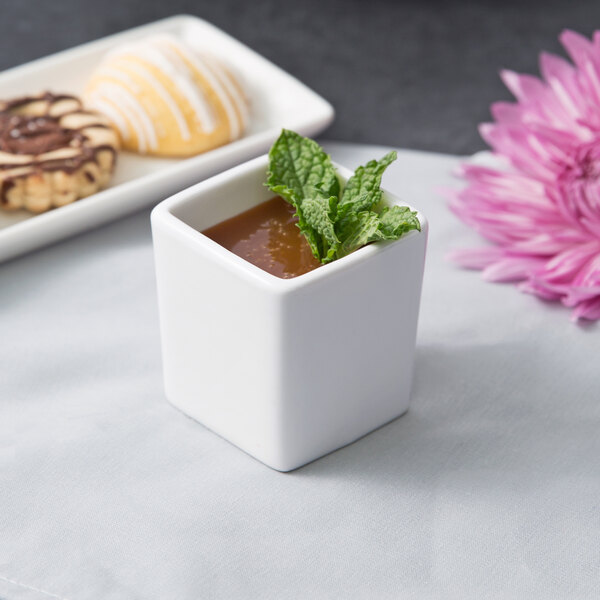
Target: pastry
{"type": "Point", "coordinates": [166, 99]}
{"type": "Point", "coordinates": [52, 152]}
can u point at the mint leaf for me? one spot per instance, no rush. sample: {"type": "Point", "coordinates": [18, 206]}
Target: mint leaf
{"type": "Point", "coordinates": [297, 166]}
{"type": "Point", "coordinates": [365, 227]}
{"type": "Point", "coordinates": [359, 229]}
{"type": "Point", "coordinates": [362, 191]}
{"type": "Point", "coordinates": [396, 220]}
{"type": "Point", "coordinates": [319, 214]}
{"type": "Point", "coordinates": [315, 241]}
{"type": "Point", "coordinates": [301, 172]}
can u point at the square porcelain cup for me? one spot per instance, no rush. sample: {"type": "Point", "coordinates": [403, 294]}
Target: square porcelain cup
{"type": "Point", "coordinates": [288, 370]}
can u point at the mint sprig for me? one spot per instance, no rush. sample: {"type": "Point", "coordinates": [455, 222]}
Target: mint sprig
{"type": "Point", "coordinates": [335, 222]}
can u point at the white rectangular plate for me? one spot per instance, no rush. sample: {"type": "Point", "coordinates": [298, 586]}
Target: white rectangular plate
{"type": "Point", "coordinates": [277, 100]}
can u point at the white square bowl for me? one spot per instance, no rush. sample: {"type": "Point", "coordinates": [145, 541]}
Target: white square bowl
{"type": "Point", "coordinates": [288, 370]}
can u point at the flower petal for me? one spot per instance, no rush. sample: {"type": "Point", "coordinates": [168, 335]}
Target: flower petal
{"type": "Point", "coordinates": [562, 78]}
{"type": "Point", "coordinates": [523, 87]}
{"type": "Point", "coordinates": [512, 269]}
{"type": "Point", "coordinates": [589, 309]}
{"type": "Point", "coordinates": [537, 288]}
{"type": "Point", "coordinates": [580, 49]}
{"type": "Point", "coordinates": [475, 258]}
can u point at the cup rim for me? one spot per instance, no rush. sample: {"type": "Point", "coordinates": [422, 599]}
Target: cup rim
{"type": "Point", "coordinates": [164, 213]}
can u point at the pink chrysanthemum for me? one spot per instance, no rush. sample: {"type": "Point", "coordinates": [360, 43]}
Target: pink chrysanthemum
{"type": "Point", "coordinates": [542, 209]}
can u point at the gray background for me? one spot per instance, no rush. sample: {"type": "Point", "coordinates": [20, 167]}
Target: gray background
{"type": "Point", "coordinates": [406, 74]}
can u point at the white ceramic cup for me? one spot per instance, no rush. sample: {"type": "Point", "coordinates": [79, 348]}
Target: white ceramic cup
{"type": "Point", "coordinates": [286, 369]}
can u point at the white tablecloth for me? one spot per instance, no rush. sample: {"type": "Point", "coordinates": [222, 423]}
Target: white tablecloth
{"type": "Point", "coordinates": [489, 487]}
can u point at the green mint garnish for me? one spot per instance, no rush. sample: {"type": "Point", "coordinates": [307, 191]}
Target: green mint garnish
{"type": "Point", "coordinates": [335, 222]}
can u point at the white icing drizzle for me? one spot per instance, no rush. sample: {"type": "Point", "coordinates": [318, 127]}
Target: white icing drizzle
{"type": "Point", "coordinates": [114, 73]}
{"type": "Point", "coordinates": [60, 107]}
{"type": "Point", "coordinates": [169, 69]}
{"type": "Point", "coordinates": [109, 110]}
{"type": "Point", "coordinates": [127, 100]}
{"type": "Point", "coordinates": [138, 118]}
{"type": "Point", "coordinates": [128, 118]}
{"type": "Point", "coordinates": [160, 89]}
{"type": "Point", "coordinates": [232, 89]}
{"type": "Point", "coordinates": [172, 46]}
{"type": "Point", "coordinates": [177, 71]}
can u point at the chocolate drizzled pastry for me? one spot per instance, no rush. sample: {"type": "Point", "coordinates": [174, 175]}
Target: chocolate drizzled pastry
{"type": "Point", "coordinates": [52, 151]}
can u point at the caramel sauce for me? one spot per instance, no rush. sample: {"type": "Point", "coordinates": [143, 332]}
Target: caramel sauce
{"type": "Point", "coordinates": [267, 236]}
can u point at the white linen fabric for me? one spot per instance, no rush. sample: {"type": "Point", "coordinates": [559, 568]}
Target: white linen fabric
{"type": "Point", "coordinates": [489, 487]}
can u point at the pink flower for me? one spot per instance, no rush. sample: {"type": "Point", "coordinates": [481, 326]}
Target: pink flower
{"type": "Point", "coordinates": [541, 209]}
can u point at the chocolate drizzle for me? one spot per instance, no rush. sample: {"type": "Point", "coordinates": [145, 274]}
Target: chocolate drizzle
{"type": "Point", "coordinates": [6, 185]}
{"type": "Point", "coordinates": [22, 134]}
{"type": "Point", "coordinates": [35, 135]}
{"type": "Point", "coordinates": [49, 97]}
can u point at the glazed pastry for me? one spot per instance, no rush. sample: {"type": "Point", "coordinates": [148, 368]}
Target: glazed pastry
{"type": "Point", "coordinates": [52, 152]}
{"type": "Point", "coordinates": [166, 99]}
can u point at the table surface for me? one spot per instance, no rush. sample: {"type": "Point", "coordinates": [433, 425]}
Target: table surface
{"type": "Point", "coordinates": [416, 74]}
{"type": "Point", "coordinates": [488, 487]}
